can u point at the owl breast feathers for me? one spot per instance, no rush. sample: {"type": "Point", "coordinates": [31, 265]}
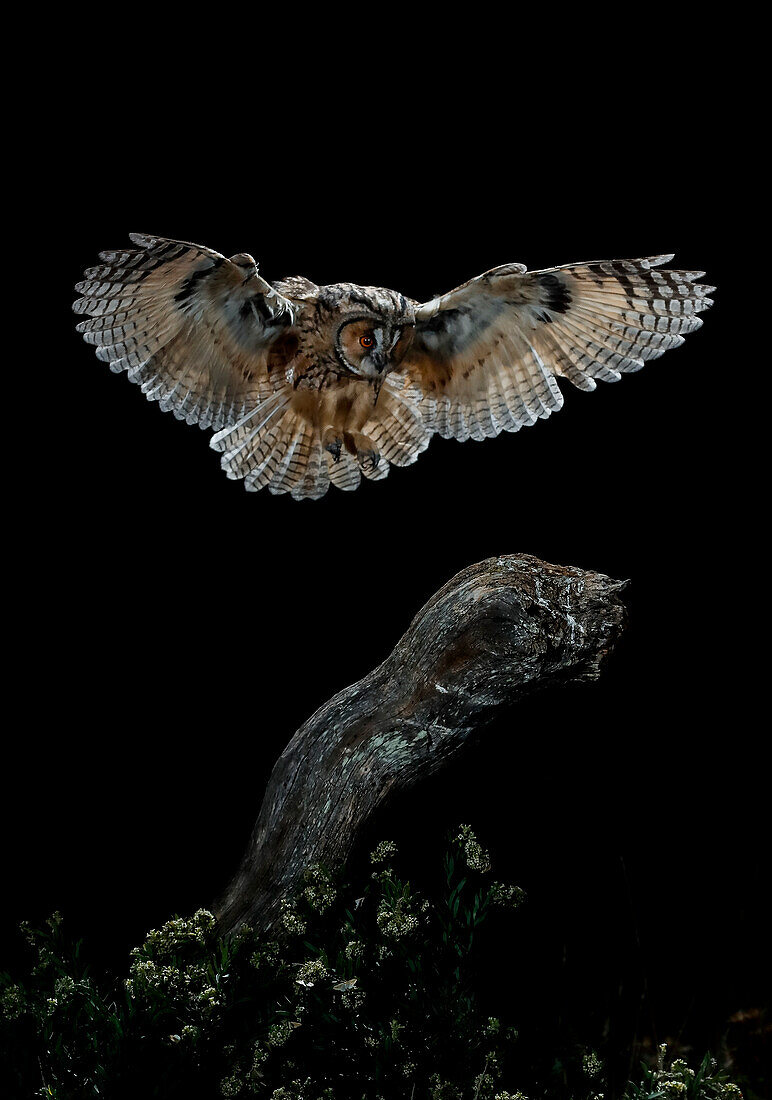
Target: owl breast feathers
{"type": "Point", "coordinates": [307, 386]}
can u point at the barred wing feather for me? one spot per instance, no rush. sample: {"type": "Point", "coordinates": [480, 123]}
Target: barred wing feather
{"type": "Point", "coordinates": [486, 356]}
{"type": "Point", "coordinates": [191, 327]}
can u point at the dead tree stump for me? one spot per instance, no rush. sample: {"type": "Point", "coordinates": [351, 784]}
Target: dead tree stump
{"type": "Point", "coordinates": [494, 633]}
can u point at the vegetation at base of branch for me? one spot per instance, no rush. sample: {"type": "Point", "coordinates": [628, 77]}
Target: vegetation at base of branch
{"type": "Point", "coordinates": [367, 993]}
{"type": "Point", "coordinates": [677, 1081]}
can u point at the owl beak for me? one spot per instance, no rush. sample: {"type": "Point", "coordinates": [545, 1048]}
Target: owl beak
{"type": "Point", "coordinates": [380, 362]}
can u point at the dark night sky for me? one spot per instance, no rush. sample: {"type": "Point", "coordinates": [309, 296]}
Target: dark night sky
{"type": "Point", "coordinates": [172, 631]}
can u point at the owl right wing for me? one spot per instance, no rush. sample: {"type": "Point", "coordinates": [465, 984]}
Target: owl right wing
{"type": "Point", "coordinates": [195, 330]}
{"type": "Point", "coordinates": [486, 356]}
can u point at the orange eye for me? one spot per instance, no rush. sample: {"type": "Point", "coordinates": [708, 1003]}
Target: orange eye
{"type": "Point", "coordinates": [366, 341]}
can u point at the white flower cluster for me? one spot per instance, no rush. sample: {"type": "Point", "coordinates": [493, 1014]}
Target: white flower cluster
{"type": "Point", "coordinates": [156, 968]}
{"type": "Point", "coordinates": [266, 955]}
{"type": "Point", "coordinates": [231, 1086]}
{"type": "Point", "coordinates": [485, 1082]}
{"type": "Point", "coordinates": [298, 1090]}
{"type": "Point", "coordinates": [354, 950]}
{"type": "Point", "coordinates": [45, 955]}
{"type": "Point", "coordinates": [311, 972]}
{"type": "Point", "coordinates": [65, 987]}
{"type": "Point", "coordinates": [259, 1055]}
{"type": "Point", "coordinates": [506, 896]}
{"type": "Point", "coordinates": [384, 852]}
{"type": "Point", "coordinates": [12, 1004]}
{"type": "Point", "coordinates": [395, 921]}
{"type": "Point", "coordinates": [278, 1034]}
{"type": "Point", "coordinates": [353, 999]}
{"type": "Point", "coordinates": [178, 933]}
{"type": "Point", "coordinates": [442, 1090]}
{"type": "Point", "coordinates": [477, 859]}
{"type": "Point", "coordinates": [291, 919]}
{"type": "Point", "coordinates": [189, 984]}
{"type": "Point", "coordinates": [592, 1065]}
{"type": "Point", "coordinates": [679, 1079]}
{"type": "Point", "coordinates": [319, 891]}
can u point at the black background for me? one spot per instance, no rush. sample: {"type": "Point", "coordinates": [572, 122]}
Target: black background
{"type": "Point", "coordinates": [169, 631]}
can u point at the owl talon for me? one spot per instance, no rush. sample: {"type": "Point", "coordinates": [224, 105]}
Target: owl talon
{"type": "Point", "coordinates": [362, 448]}
{"type": "Point", "coordinates": [333, 443]}
{"type": "Point", "coordinates": [369, 458]}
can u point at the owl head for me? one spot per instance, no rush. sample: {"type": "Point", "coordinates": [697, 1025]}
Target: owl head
{"type": "Point", "coordinates": [372, 330]}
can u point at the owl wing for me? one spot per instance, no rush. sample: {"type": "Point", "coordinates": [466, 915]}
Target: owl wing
{"type": "Point", "coordinates": [486, 357]}
{"type": "Point", "coordinates": [193, 328]}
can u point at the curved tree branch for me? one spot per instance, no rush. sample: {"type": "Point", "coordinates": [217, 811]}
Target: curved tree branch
{"type": "Point", "coordinates": [494, 633]}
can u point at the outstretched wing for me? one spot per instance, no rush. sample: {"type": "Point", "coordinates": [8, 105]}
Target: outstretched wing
{"type": "Point", "coordinates": [193, 328]}
{"type": "Point", "coordinates": [486, 356]}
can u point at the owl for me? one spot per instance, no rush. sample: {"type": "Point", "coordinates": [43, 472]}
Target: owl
{"type": "Point", "coordinates": [308, 386]}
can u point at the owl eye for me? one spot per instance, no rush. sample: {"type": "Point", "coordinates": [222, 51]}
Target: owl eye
{"type": "Point", "coordinates": [366, 341]}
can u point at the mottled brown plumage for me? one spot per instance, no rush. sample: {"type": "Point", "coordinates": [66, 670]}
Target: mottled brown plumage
{"type": "Point", "coordinates": [307, 386]}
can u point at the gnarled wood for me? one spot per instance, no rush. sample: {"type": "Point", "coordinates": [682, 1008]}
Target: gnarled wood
{"type": "Point", "coordinates": [495, 632]}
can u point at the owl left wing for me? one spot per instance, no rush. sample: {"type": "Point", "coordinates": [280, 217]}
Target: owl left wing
{"type": "Point", "coordinates": [485, 357]}
{"type": "Point", "coordinates": [192, 328]}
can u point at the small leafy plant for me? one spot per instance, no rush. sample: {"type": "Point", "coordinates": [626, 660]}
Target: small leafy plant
{"type": "Point", "coordinates": [679, 1082]}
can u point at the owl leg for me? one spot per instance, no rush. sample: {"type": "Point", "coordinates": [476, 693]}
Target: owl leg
{"type": "Point", "coordinates": [332, 442]}
{"type": "Point", "coordinates": [363, 447]}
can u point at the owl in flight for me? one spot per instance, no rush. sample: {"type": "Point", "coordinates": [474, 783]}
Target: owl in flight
{"type": "Point", "coordinates": [306, 386]}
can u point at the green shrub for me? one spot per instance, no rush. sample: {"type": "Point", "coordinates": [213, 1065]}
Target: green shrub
{"type": "Point", "coordinates": [365, 993]}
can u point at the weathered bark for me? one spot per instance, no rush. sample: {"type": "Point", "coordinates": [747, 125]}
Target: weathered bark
{"type": "Point", "coordinates": [495, 632]}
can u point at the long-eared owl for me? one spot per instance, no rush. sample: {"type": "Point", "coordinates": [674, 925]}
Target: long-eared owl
{"type": "Point", "coordinates": [307, 386]}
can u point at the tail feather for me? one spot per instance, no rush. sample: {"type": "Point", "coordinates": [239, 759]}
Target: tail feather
{"type": "Point", "coordinates": [310, 478]}
{"type": "Point", "coordinates": [274, 447]}
{"type": "Point", "coordinates": [244, 445]}
{"type": "Point", "coordinates": [293, 476]}
{"type": "Point", "coordinates": [397, 427]}
{"type": "Point", "coordinates": [345, 474]}
{"type": "Point", "coordinates": [286, 448]}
